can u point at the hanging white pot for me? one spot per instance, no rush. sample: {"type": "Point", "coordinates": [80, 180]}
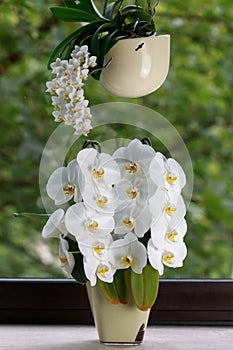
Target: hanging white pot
{"type": "Point", "coordinates": [136, 67]}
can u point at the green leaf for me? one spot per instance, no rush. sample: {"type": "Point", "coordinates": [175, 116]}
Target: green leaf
{"type": "Point", "coordinates": [71, 3]}
{"type": "Point", "coordinates": [144, 287]}
{"type": "Point", "coordinates": [78, 272]}
{"type": "Point", "coordinates": [109, 291]}
{"type": "Point", "coordinates": [76, 37]}
{"type": "Point", "coordinates": [89, 7]}
{"type": "Point", "coordinates": [95, 43]}
{"type": "Point", "coordinates": [111, 8]}
{"type": "Point", "coordinates": [121, 286]}
{"type": "Point", "coordinates": [74, 15]}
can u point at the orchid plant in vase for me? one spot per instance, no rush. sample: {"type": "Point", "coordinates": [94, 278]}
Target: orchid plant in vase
{"type": "Point", "coordinates": [123, 221]}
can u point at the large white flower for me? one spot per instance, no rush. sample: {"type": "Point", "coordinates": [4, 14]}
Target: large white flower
{"type": "Point", "coordinates": [82, 222]}
{"type": "Point", "coordinates": [128, 252]}
{"type": "Point", "coordinates": [171, 255]}
{"type": "Point", "coordinates": [161, 232]}
{"type": "Point", "coordinates": [98, 168]}
{"type": "Point", "coordinates": [167, 173]}
{"type": "Point", "coordinates": [168, 204]}
{"type": "Point", "coordinates": [134, 160]}
{"type": "Point", "coordinates": [132, 192]}
{"type": "Point", "coordinates": [96, 258]}
{"type": "Point", "coordinates": [95, 268]}
{"type": "Point", "coordinates": [55, 225]}
{"type": "Point", "coordinates": [95, 247]}
{"type": "Point", "coordinates": [63, 184]}
{"type": "Point", "coordinates": [66, 258]}
{"type": "Point", "coordinates": [102, 199]}
{"type": "Point", "coordinates": [133, 219]}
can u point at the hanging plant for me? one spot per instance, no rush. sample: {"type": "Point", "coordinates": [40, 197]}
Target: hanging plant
{"type": "Point", "coordinates": [120, 20]}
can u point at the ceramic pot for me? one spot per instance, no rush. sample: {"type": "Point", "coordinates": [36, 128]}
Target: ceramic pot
{"type": "Point", "coordinates": [117, 324]}
{"type": "Point", "coordinates": [136, 66]}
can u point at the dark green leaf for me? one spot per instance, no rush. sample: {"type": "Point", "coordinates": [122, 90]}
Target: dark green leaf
{"type": "Point", "coordinates": [89, 7]}
{"type": "Point", "coordinates": [73, 15]}
{"type": "Point", "coordinates": [79, 35]}
{"type": "Point", "coordinates": [71, 3]}
{"type": "Point", "coordinates": [78, 272]}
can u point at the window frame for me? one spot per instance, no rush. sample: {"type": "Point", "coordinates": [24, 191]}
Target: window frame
{"type": "Point", "coordinates": [64, 301]}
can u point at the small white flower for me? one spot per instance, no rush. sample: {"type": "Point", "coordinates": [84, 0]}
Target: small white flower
{"type": "Point", "coordinates": [66, 258]}
{"type": "Point", "coordinates": [133, 219]}
{"type": "Point", "coordinates": [83, 222]}
{"type": "Point", "coordinates": [55, 225]}
{"type": "Point", "coordinates": [63, 184]}
{"type": "Point", "coordinates": [171, 255]}
{"type": "Point", "coordinates": [128, 252]}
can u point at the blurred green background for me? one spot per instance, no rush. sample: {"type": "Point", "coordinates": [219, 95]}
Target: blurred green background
{"type": "Point", "coordinates": [196, 98]}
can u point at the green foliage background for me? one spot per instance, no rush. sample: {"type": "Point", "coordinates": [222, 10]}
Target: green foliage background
{"type": "Point", "coordinates": [196, 98]}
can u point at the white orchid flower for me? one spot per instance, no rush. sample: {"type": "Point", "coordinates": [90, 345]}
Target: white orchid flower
{"type": "Point", "coordinates": [82, 222]}
{"type": "Point", "coordinates": [167, 173]}
{"type": "Point", "coordinates": [134, 160]}
{"type": "Point", "coordinates": [102, 199]}
{"type": "Point", "coordinates": [63, 184]}
{"type": "Point", "coordinates": [161, 232]}
{"type": "Point", "coordinates": [55, 225]}
{"type": "Point", "coordinates": [95, 250]}
{"type": "Point", "coordinates": [168, 204]}
{"type": "Point", "coordinates": [98, 168]}
{"type": "Point", "coordinates": [133, 219]}
{"type": "Point", "coordinates": [128, 252]}
{"type": "Point", "coordinates": [95, 247]}
{"type": "Point", "coordinates": [102, 269]}
{"type": "Point", "coordinates": [171, 255]}
{"type": "Point", "coordinates": [132, 192]}
{"type": "Point", "coordinates": [66, 258]}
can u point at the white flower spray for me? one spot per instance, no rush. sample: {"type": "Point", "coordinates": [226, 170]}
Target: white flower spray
{"type": "Point", "coordinates": [66, 89]}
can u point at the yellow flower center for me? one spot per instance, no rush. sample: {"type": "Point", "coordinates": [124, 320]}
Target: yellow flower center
{"type": "Point", "coordinates": [131, 167]}
{"type": "Point", "coordinates": [168, 257]}
{"type": "Point", "coordinates": [128, 222]}
{"type": "Point", "coordinates": [63, 260]}
{"type": "Point", "coordinates": [171, 179]}
{"type": "Point", "coordinates": [101, 201]}
{"type": "Point", "coordinates": [132, 192]}
{"type": "Point", "coordinates": [102, 270]}
{"type": "Point", "coordinates": [170, 209]}
{"type": "Point", "coordinates": [172, 236]}
{"type": "Point", "coordinates": [97, 173]}
{"type": "Point", "coordinates": [127, 260]}
{"type": "Point", "coordinates": [69, 189]}
{"type": "Point", "coordinates": [99, 248]}
{"type": "Point", "coordinates": [92, 225]}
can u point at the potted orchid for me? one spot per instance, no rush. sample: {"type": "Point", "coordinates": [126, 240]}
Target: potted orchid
{"type": "Point", "coordinates": [120, 220]}
{"type": "Point", "coordinates": [123, 32]}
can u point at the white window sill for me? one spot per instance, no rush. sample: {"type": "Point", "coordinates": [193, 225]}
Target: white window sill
{"type": "Point", "coordinates": [44, 337]}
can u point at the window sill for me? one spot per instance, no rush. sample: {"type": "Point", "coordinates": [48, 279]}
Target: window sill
{"type": "Point", "coordinates": [85, 337]}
